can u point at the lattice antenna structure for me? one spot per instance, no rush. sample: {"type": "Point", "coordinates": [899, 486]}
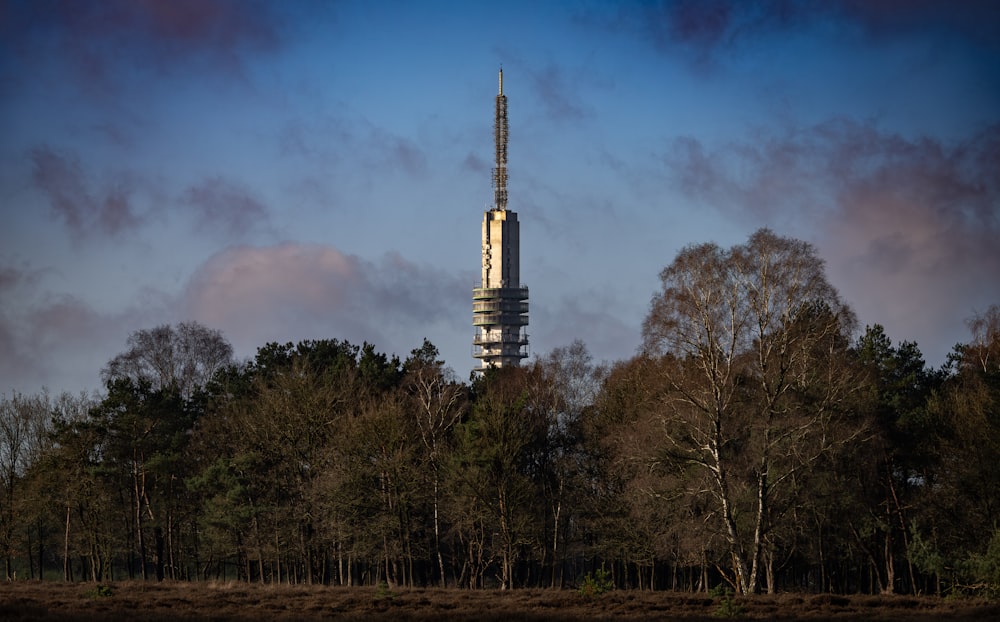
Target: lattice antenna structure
{"type": "Point", "coordinates": [500, 135]}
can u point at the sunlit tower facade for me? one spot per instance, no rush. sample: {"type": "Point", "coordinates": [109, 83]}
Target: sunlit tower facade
{"type": "Point", "coordinates": [500, 303]}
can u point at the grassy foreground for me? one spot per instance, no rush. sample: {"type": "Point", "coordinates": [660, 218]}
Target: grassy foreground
{"type": "Point", "coordinates": [23, 601]}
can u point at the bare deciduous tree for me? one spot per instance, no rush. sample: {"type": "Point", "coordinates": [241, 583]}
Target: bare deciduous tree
{"type": "Point", "coordinates": [24, 423]}
{"type": "Point", "coordinates": [984, 349]}
{"type": "Point", "coordinates": [570, 383]}
{"type": "Point", "coordinates": [186, 356]}
{"type": "Point", "coordinates": [439, 401]}
{"type": "Point", "coordinates": [752, 342]}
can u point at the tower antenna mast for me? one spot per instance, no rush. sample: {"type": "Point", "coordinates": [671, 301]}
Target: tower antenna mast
{"type": "Point", "coordinates": [500, 303]}
{"type": "Point", "coordinates": [500, 135]}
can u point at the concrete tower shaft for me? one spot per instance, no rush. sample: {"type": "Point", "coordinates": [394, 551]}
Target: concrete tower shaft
{"type": "Point", "coordinates": [500, 304]}
{"type": "Point", "coordinates": [501, 249]}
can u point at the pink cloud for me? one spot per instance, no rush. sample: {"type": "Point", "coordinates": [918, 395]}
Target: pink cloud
{"type": "Point", "coordinates": [296, 291]}
{"type": "Point", "coordinates": [245, 287]}
{"type": "Point", "coordinates": [254, 295]}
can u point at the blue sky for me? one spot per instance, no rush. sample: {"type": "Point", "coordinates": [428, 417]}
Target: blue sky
{"type": "Point", "coordinates": [303, 170]}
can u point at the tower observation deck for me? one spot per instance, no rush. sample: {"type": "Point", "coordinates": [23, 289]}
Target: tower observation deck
{"type": "Point", "coordinates": [500, 303]}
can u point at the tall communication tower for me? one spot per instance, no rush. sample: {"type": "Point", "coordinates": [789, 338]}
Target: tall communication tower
{"type": "Point", "coordinates": [500, 304]}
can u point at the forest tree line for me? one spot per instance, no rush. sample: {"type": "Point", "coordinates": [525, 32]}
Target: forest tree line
{"type": "Point", "coordinates": [759, 440]}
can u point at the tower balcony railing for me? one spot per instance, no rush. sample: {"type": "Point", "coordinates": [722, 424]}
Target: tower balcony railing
{"type": "Point", "coordinates": [499, 319]}
{"type": "Point", "coordinates": [500, 306]}
{"type": "Point", "coordinates": [507, 293]}
{"type": "Point", "coordinates": [496, 341]}
{"type": "Point", "coordinates": [481, 352]}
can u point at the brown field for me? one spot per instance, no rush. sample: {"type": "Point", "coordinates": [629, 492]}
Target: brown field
{"type": "Point", "coordinates": [22, 601]}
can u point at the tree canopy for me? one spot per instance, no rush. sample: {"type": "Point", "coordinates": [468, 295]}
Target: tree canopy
{"type": "Point", "coordinates": [758, 441]}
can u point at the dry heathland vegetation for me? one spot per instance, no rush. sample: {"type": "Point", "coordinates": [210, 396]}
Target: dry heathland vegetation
{"type": "Point", "coordinates": [22, 601]}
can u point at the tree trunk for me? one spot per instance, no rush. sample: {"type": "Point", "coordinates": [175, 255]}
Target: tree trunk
{"type": "Point", "coordinates": [93, 563]}
{"type": "Point", "coordinates": [555, 533]}
{"type": "Point", "coordinates": [159, 545]}
{"type": "Point", "coordinates": [505, 563]}
{"type": "Point", "coordinates": [769, 570]}
{"type": "Point", "coordinates": [138, 493]}
{"type": "Point", "coordinates": [873, 564]}
{"type": "Point", "coordinates": [437, 532]}
{"type": "Point", "coordinates": [759, 527]}
{"type": "Point", "coordinates": [171, 560]}
{"type": "Point", "coordinates": [902, 526]}
{"type": "Point", "coordinates": [822, 560]}
{"type": "Point", "coordinates": [66, 576]}
{"type": "Point", "coordinates": [890, 564]}
{"type": "Point", "coordinates": [31, 558]}
{"type": "Point", "coordinates": [740, 571]}
{"type": "Point", "coordinates": [340, 562]}
{"type": "Point", "coordinates": [277, 558]}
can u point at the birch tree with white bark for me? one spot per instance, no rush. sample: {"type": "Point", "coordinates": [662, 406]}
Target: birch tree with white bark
{"type": "Point", "coordinates": [753, 343]}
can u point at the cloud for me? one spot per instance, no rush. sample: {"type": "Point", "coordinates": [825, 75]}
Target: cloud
{"type": "Point", "coordinates": [9, 277]}
{"type": "Point", "coordinates": [585, 317]}
{"type": "Point", "coordinates": [99, 49]}
{"type": "Point", "coordinates": [96, 38]}
{"type": "Point", "coordinates": [553, 86]}
{"type": "Point", "coordinates": [56, 340]}
{"type": "Point", "coordinates": [218, 25]}
{"type": "Point", "coordinates": [226, 206]}
{"type": "Point", "coordinates": [555, 92]}
{"type": "Point", "coordinates": [475, 164]}
{"type": "Point", "coordinates": [705, 31]}
{"type": "Point", "coordinates": [253, 294]}
{"type": "Point", "coordinates": [117, 134]}
{"type": "Point", "coordinates": [346, 142]}
{"type": "Point", "coordinates": [703, 23]}
{"type": "Point", "coordinates": [909, 227]}
{"type": "Point", "coordinates": [708, 33]}
{"type": "Point", "coordinates": [91, 207]}
{"type": "Point", "coordinates": [292, 291]}
{"type": "Point", "coordinates": [73, 200]}
{"type": "Point", "coordinates": [15, 360]}
{"type": "Point", "coordinates": [403, 153]}
{"type": "Point", "coordinates": [971, 19]}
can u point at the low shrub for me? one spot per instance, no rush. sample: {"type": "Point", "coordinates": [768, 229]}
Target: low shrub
{"type": "Point", "coordinates": [596, 583]}
{"type": "Point", "coordinates": [99, 591]}
{"type": "Point", "coordinates": [383, 594]}
{"type": "Point", "coordinates": [728, 607]}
